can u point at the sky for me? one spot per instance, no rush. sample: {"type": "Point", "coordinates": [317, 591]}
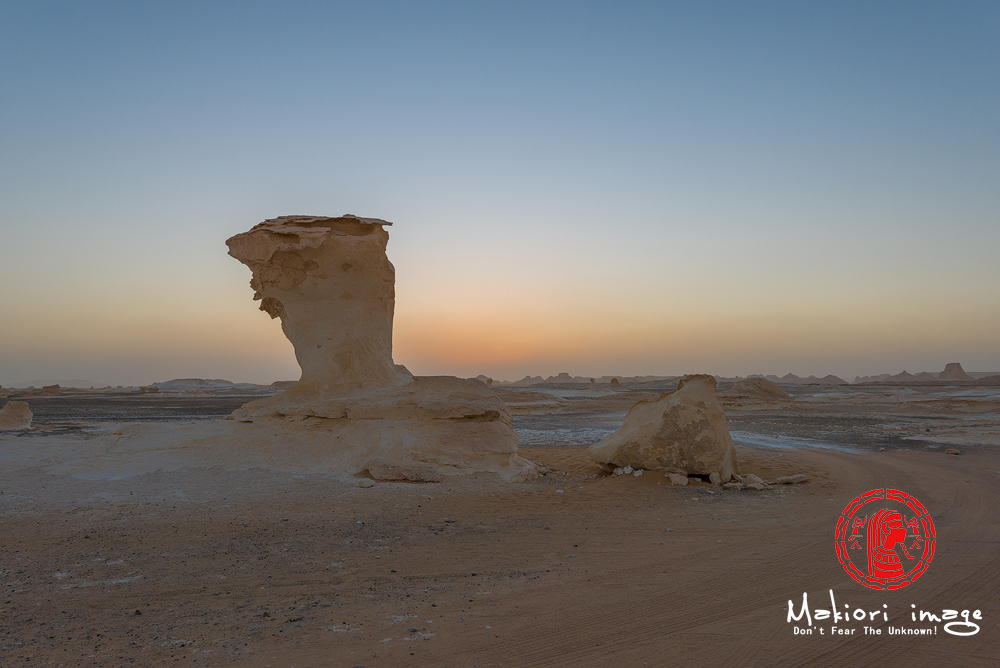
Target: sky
{"type": "Point", "coordinates": [596, 188]}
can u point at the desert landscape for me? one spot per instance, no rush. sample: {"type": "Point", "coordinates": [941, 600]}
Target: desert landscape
{"type": "Point", "coordinates": [248, 564]}
{"type": "Point", "coordinates": [366, 516]}
{"type": "Point", "coordinates": [499, 334]}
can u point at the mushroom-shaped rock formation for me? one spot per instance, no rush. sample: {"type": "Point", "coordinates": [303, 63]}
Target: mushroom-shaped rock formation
{"type": "Point", "coordinates": [683, 431]}
{"type": "Point", "coordinates": [332, 286]}
{"type": "Point", "coordinates": [15, 415]}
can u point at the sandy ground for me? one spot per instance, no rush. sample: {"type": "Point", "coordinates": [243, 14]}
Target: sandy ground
{"type": "Point", "coordinates": [211, 567]}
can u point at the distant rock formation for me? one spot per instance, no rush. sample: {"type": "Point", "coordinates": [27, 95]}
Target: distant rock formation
{"type": "Point", "coordinates": [188, 384]}
{"type": "Point", "coordinates": [871, 379]}
{"type": "Point", "coordinates": [953, 371]}
{"type": "Point", "coordinates": [330, 283]}
{"type": "Point", "coordinates": [792, 379]}
{"type": "Point", "coordinates": [526, 402]}
{"type": "Point", "coordinates": [683, 431]}
{"type": "Point", "coordinates": [527, 381]}
{"type": "Point", "coordinates": [15, 415]}
{"type": "Point", "coordinates": [756, 389]}
{"type": "Point", "coordinates": [566, 378]}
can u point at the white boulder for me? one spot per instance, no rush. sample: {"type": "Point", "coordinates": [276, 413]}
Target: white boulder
{"type": "Point", "coordinates": [684, 430]}
{"type": "Point", "coordinates": [15, 415]}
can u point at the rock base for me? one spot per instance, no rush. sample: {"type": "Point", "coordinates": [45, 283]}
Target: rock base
{"type": "Point", "coordinates": [430, 427]}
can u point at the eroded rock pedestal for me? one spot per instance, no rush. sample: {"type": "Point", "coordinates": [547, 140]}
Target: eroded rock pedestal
{"type": "Point", "coordinates": [684, 432]}
{"type": "Point", "coordinates": [330, 283]}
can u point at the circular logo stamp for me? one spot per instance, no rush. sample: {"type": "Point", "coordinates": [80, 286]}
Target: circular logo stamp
{"type": "Point", "coordinates": [885, 539]}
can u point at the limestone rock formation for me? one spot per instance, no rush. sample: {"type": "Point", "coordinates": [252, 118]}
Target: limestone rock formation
{"type": "Point", "coordinates": [15, 415]}
{"type": "Point", "coordinates": [953, 371]}
{"type": "Point", "coordinates": [683, 431]}
{"type": "Point", "coordinates": [330, 283]}
{"type": "Point", "coordinates": [333, 288]}
{"type": "Point", "coordinates": [756, 389]}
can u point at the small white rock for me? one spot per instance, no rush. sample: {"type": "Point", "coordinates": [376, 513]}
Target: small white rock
{"type": "Point", "coordinates": [637, 473]}
{"type": "Point", "coordinates": [677, 479]}
{"type": "Point", "coordinates": [366, 482]}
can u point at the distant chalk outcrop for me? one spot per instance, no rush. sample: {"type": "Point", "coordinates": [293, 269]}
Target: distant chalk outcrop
{"type": "Point", "coordinates": [953, 371]}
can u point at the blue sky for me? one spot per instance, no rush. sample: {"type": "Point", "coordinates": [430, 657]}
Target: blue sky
{"type": "Point", "coordinates": [586, 187]}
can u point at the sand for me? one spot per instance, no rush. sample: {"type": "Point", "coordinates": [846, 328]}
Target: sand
{"type": "Point", "coordinates": [214, 567]}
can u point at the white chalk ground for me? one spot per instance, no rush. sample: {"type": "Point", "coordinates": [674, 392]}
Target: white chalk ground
{"type": "Point", "coordinates": [102, 450]}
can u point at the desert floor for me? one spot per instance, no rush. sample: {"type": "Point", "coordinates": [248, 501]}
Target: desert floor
{"type": "Point", "coordinates": [256, 568]}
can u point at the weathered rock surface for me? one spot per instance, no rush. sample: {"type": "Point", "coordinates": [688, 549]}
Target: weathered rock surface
{"type": "Point", "coordinates": [330, 283]}
{"type": "Point", "coordinates": [792, 479]}
{"type": "Point", "coordinates": [15, 415]}
{"type": "Point", "coordinates": [684, 430]}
